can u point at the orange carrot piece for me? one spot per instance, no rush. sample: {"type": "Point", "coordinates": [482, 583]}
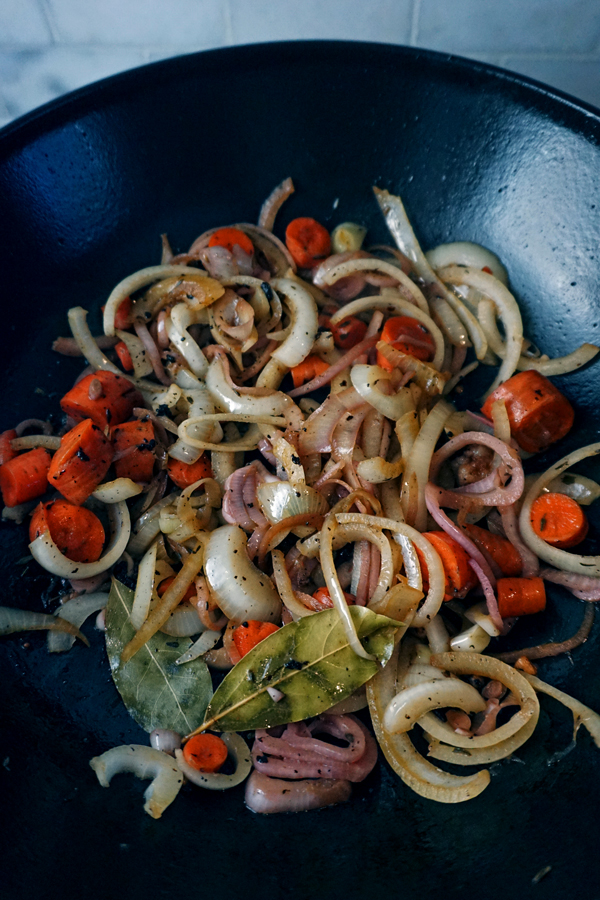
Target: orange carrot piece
{"type": "Point", "coordinates": [81, 462]}
{"type": "Point", "coordinates": [407, 335]}
{"type": "Point", "coordinates": [308, 242]}
{"type": "Point", "coordinates": [308, 369]}
{"type": "Point", "coordinates": [501, 550]}
{"type": "Point", "coordinates": [184, 474]}
{"type": "Point", "coordinates": [322, 600]}
{"type": "Point", "coordinates": [124, 355]}
{"type": "Point", "coordinates": [229, 237]}
{"type": "Point", "coordinates": [23, 477]}
{"type": "Point", "coordinates": [520, 596]}
{"type": "Point", "coordinates": [247, 635]}
{"type": "Point", "coordinates": [559, 520]}
{"type": "Point", "coordinates": [135, 440]}
{"type": "Point", "coordinates": [6, 451]}
{"type": "Point", "coordinates": [116, 404]}
{"type": "Point", "coordinates": [76, 531]}
{"type": "Point", "coordinates": [205, 752]}
{"type": "Point", "coordinates": [537, 411]}
{"type": "Point", "coordinates": [460, 577]}
{"type": "Point", "coordinates": [166, 583]}
{"type": "Point", "coordinates": [123, 314]}
{"type": "Point", "coordinates": [348, 333]}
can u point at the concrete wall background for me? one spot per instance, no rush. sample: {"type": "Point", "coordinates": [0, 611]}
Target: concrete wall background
{"type": "Point", "coordinates": [49, 47]}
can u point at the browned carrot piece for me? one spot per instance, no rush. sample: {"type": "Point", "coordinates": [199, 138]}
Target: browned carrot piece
{"type": "Point", "coordinates": [322, 600]}
{"type": "Point", "coordinates": [501, 550]}
{"type": "Point", "coordinates": [407, 335]}
{"type": "Point", "coordinates": [229, 237]}
{"type": "Point", "coordinates": [308, 242]}
{"type": "Point", "coordinates": [23, 478]}
{"type": "Point", "coordinates": [105, 398]}
{"type": "Point", "coordinates": [558, 520]}
{"type": "Point", "coordinates": [520, 596]}
{"type": "Point", "coordinates": [348, 333]}
{"type": "Point", "coordinates": [166, 583]}
{"type": "Point", "coordinates": [308, 369]}
{"type": "Point", "coordinates": [184, 474]}
{"type": "Point", "coordinates": [247, 635]}
{"type": "Point", "coordinates": [134, 444]}
{"type": "Point", "coordinates": [460, 577]}
{"type": "Point", "coordinates": [81, 462]}
{"type": "Point", "coordinates": [205, 752]}
{"type": "Point", "coordinates": [6, 451]}
{"type": "Point", "coordinates": [76, 531]}
{"type": "Point", "coordinates": [538, 413]}
{"type": "Point", "coordinates": [124, 356]}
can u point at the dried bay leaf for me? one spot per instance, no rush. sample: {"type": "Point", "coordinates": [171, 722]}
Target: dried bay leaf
{"type": "Point", "coordinates": [309, 661]}
{"type": "Point", "coordinates": [156, 692]}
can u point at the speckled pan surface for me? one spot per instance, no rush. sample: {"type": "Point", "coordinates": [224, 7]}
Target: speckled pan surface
{"type": "Point", "coordinates": [87, 185]}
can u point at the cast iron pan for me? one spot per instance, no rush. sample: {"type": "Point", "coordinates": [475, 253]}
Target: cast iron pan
{"type": "Point", "coordinates": [88, 184]}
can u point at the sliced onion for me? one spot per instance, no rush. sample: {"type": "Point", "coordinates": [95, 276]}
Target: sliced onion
{"type": "Point", "coordinates": [476, 332]}
{"type": "Point", "coordinates": [273, 203]}
{"type": "Point", "coordinates": [378, 470]}
{"type": "Point", "coordinates": [582, 714]}
{"type": "Point", "coordinates": [241, 590]}
{"type": "Point", "coordinates": [75, 611]}
{"type": "Point", "coordinates": [134, 283]}
{"type": "Point", "coordinates": [177, 329]}
{"type": "Point", "coordinates": [416, 471]}
{"type": "Point", "coordinates": [238, 751]}
{"type": "Point", "coordinates": [465, 253]}
{"type": "Point", "coordinates": [35, 440]}
{"type": "Point", "coordinates": [272, 403]}
{"type": "Point", "coordinates": [205, 642]}
{"type": "Point", "coordinates": [304, 323]}
{"type": "Point", "coordinates": [117, 490]}
{"type": "Point", "coordinates": [405, 708]}
{"type": "Point", "coordinates": [137, 350]}
{"type": "Point", "coordinates": [560, 365]}
{"type": "Point", "coordinates": [366, 379]}
{"type": "Point", "coordinates": [286, 591]}
{"type": "Point", "coordinates": [183, 622]}
{"type": "Point", "coordinates": [46, 553]}
{"type": "Point", "coordinates": [279, 499]}
{"type": "Point", "coordinates": [581, 489]}
{"type": "Point", "coordinates": [560, 559]}
{"type": "Point", "coordinates": [145, 762]}
{"type": "Point", "coordinates": [496, 496]}
{"type": "Point", "coordinates": [349, 267]}
{"type": "Point", "coordinates": [14, 620]}
{"type": "Point", "coordinates": [147, 527]}
{"type": "Point", "coordinates": [479, 615]}
{"type": "Point", "coordinates": [482, 756]}
{"type": "Point", "coordinates": [248, 442]}
{"type": "Point", "coordinates": [473, 639]}
{"type": "Point", "coordinates": [144, 587]}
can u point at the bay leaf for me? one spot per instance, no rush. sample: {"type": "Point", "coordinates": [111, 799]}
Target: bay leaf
{"type": "Point", "coordinates": [156, 692]}
{"type": "Point", "coordinates": [309, 661]}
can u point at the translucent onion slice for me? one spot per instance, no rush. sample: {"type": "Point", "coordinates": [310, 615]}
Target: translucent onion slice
{"type": "Point", "coordinates": [560, 365]}
{"type": "Point", "coordinates": [478, 615]}
{"type": "Point", "coordinates": [578, 487]}
{"type": "Point", "coordinates": [473, 639]}
{"type": "Point", "coordinates": [145, 762]}
{"type": "Point", "coordinates": [507, 307]}
{"type": "Point", "coordinates": [284, 586]}
{"type": "Point", "coordinates": [238, 751]}
{"type": "Point", "coordinates": [411, 704]}
{"type": "Point", "coordinates": [14, 620]}
{"type": "Point", "coordinates": [273, 403]}
{"type": "Point", "coordinates": [394, 304]}
{"type": "Point", "coordinates": [582, 714]}
{"type": "Point", "coordinates": [415, 771]}
{"type": "Point", "coordinates": [560, 559]}
{"type": "Point", "coordinates": [46, 553]}
{"type": "Point", "coordinates": [378, 470]}
{"type": "Point", "coordinates": [137, 350]}
{"type": "Point", "coordinates": [144, 587]}
{"type": "Point", "coordinates": [29, 441]}
{"type": "Point", "coordinates": [183, 622]}
{"type": "Point", "coordinates": [465, 253]}
{"type": "Point", "coordinates": [75, 611]}
{"type": "Point", "coordinates": [416, 471]}
{"type": "Point", "coordinates": [304, 322]}
{"type": "Point", "coordinates": [205, 642]}
{"type": "Point", "coordinates": [241, 590]}
{"type": "Point", "coordinates": [476, 332]}
{"type": "Point", "coordinates": [248, 442]}
{"type": "Point", "coordinates": [484, 756]}
{"type": "Point", "coordinates": [147, 527]}
{"type": "Point", "coordinates": [177, 325]}
{"type": "Point", "coordinates": [279, 499]}
{"type": "Point", "coordinates": [135, 282]}
{"type": "Point", "coordinates": [366, 379]}
{"type": "Point", "coordinates": [117, 490]}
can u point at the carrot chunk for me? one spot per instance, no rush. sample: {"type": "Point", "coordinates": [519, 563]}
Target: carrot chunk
{"type": "Point", "coordinates": [111, 402]}
{"type": "Point", "coordinates": [124, 355]}
{"type": "Point", "coordinates": [247, 635]}
{"type": "Point", "coordinates": [134, 444]}
{"type": "Point", "coordinates": [308, 369]}
{"type": "Point", "coordinates": [322, 600]}
{"type": "Point", "coordinates": [76, 531]}
{"type": "Point", "coordinates": [184, 474]}
{"type": "Point", "coordinates": [229, 237]}
{"type": "Point", "coordinates": [520, 596]}
{"type": "Point", "coordinates": [205, 752]}
{"type": "Point", "coordinates": [538, 413]}
{"type": "Point", "coordinates": [559, 520]}
{"type": "Point", "coordinates": [81, 462]}
{"type": "Point", "coordinates": [407, 335]}
{"type": "Point", "coordinates": [24, 477]}
{"type": "Point", "coordinates": [166, 583]}
{"type": "Point", "coordinates": [460, 577]}
{"type": "Point", "coordinates": [348, 333]}
{"type": "Point", "coordinates": [123, 314]}
{"type": "Point", "coordinates": [6, 451]}
{"type": "Point", "coordinates": [501, 550]}
{"type": "Point", "coordinates": [308, 242]}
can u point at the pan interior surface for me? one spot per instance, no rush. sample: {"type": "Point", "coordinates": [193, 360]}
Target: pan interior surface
{"type": "Point", "coordinates": [88, 185]}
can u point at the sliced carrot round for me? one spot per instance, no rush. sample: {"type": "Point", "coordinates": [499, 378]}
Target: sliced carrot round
{"type": "Point", "coordinates": [23, 478]}
{"type": "Point", "coordinates": [407, 335]}
{"type": "Point", "coordinates": [124, 355]}
{"type": "Point", "coordinates": [76, 531]}
{"type": "Point", "coordinates": [205, 752]}
{"type": "Point", "coordinates": [520, 596]}
{"type": "Point", "coordinates": [308, 242]}
{"type": "Point", "coordinates": [184, 474]}
{"type": "Point", "coordinates": [229, 237]}
{"type": "Point", "coordinates": [348, 333]}
{"type": "Point", "coordinates": [559, 520]}
{"type": "Point", "coordinates": [460, 577]}
{"type": "Point", "coordinates": [247, 635]}
{"type": "Point", "coordinates": [166, 583]}
{"type": "Point", "coordinates": [322, 600]}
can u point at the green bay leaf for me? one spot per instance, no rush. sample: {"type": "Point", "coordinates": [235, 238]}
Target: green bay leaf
{"type": "Point", "coordinates": [310, 662]}
{"type": "Point", "coordinates": [156, 692]}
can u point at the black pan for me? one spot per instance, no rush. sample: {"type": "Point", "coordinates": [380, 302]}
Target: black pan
{"type": "Point", "coordinates": [88, 184]}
